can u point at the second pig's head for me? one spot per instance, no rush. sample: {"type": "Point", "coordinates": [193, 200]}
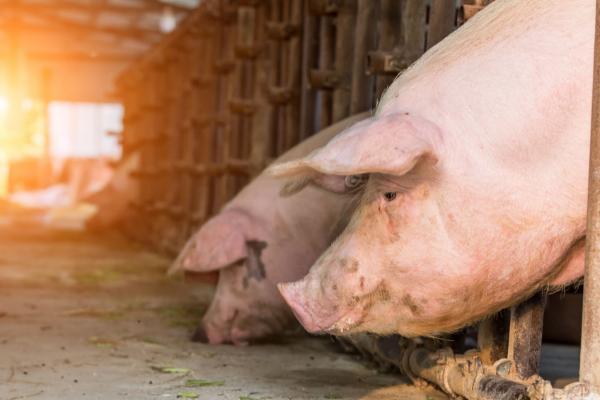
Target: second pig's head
{"type": "Point", "coordinates": [246, 306]}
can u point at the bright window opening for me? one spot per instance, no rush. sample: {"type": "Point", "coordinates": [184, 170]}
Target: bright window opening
{"type": "Point", "coordinates": [85, 129]}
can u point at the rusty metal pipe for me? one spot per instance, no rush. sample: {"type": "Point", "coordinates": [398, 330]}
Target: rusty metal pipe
{"type": "Point", "coordinates": [589, 370]}
{"type": "Point", "coordinates": [464, 375]}
{"type": "Point", "coordinates": [525, 335]}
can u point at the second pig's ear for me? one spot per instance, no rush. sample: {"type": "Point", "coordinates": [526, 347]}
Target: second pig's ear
{"type": "Point", "coordinates": [389, 144]}
{"type": "Point", "coordinates": [332, 183]}
{"type": "Point", "coordinates": [219, 243]}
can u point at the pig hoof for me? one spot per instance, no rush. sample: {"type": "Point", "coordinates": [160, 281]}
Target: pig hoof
{"type": "Point", "coordinates": [200, 335]}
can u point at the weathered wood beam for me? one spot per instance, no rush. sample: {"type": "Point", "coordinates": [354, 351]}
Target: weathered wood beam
{"type": "Point", "coordinates": [64, 25]}
{"type": "Point", "coordinates": [64, 5]}
{"type": "Point", "coordinates": [105, 57]}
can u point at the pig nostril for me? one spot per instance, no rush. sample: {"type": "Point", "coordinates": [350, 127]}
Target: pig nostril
{"type": "Point", "coordinates": [200, 335]}
{"type": "Point", "coordinates": [390, 196]}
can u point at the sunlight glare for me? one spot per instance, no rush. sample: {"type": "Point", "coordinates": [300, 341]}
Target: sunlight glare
{"type": "Point", "coordinates": [3, 104]}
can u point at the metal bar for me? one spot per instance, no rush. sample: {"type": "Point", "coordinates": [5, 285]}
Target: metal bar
{"type": "Point", "coordinates": [260, 132]}
{"type": "Point", "coordinates": [492, 337]}
{"type": "Point", "coordinates": [292, 77]}
{"type": "Point", "coordinates": [326, 49]}
{"type": "Point", "coordinates": [203, 189]}
{"type": "Point", "coordinates": [166, 235]}
{"type": "Point", "coordinates": [362, 84]}
{"type": "Point", "coordinates": [525, 335]}
{"type": "Point", "coordinates": [589, 370]}
{"type": "Point", "coordinates": [310, 51]}
{"type": "Point", "coordinates": [345, 22]}
{"type": "Point", "coordinates": [391, 26]}
{"type": "Point", "coordinates": [224, 89]}
{"type": "Point", "coordinates": [442, 20]}
{"type": "Point", "coordinates": [413, 27]}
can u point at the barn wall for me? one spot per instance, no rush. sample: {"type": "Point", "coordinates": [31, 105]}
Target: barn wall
{"type": "Point", "coordinates": [241, 81]}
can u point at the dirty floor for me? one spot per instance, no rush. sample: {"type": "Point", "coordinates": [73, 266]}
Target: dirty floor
{"type": "Point", "coordinates": [89, 316]}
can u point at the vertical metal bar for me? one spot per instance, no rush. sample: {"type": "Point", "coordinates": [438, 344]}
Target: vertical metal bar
{"type": "Point", "coordinates": [292, 77]}
{"type": "Point", "coordinates": [413, 28]}
{"type": "Point", "coordinates": [310, 51]}
{"type": "Point", "coordinates": [261, 134]}
{"type": "Point", "coordinates": [325, 62]}
{"type": "Point", "coordinates": [492, 337]}
{"type": "Point", "coordinates": [345, 22]}
{"type": "Point", "coordinates": [525, 335]}
{"type": "Point", "coordinates": [156, 184]}
{"type": "Point", "coordinates": [204, 109]}
{"type": "Point", "coordinates": [362, 84]}
{"type": "Point", "coordinates": [165, 235]}
{"type": "Point", "coordinates": [390, 38]}
{"type": "Point", "coordinates": [274, 79]}
{"type": "Point", "coordinates": [223, 131]}
{"type": "Point", "coordinates": [442, 18]}
{"type": "Point", "coordinates": [589, 369]}
{"type": "Point", "coordinates": [189, 134]}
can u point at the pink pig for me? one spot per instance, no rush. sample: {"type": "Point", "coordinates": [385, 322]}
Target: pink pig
{"type": "Point", "coordinates": [258, 240]}
{"type": "Point", "coordinates": [478, 162]}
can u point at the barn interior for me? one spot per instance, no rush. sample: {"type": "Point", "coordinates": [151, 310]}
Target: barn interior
{"type": "Point", "coordinates": [125, 125]}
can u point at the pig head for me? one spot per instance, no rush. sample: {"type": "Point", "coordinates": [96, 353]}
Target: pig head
{"type": "Point", "coordinates": [429, 249]}
{"type": "Point", "coordinates": [477, 187]}
{"type": "Point", "coordinates": [260, 239]}
{"type": "Point", "coordinates": [246, 304]}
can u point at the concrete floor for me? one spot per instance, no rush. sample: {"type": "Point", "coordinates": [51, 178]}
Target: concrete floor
{"type": "Point", "coordinates": [87, 316]}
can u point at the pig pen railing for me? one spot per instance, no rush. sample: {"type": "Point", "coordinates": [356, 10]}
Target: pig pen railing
{"type": "Point", "coordinates": [241, 81]}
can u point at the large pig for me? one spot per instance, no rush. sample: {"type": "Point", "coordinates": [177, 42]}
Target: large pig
{"type": "Point", "coordinates": [258, 240]}
{"type": "Point", "coordinates": [478, 164]}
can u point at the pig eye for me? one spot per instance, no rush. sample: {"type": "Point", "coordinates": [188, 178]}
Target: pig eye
{"type": "Point", "coordinates": [354, 181]}
{"type": "Point", "coordinates": [389, 196]}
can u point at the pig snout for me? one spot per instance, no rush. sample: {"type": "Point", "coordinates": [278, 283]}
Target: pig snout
{"type": "Point", "coordinates": [336, 295]}
{"type": "Point", "coordinates": [245, 308]}
{"type": "Point", "coordinates": [242, 330]}
{"type": "Point", "coordinates": [293, 294]}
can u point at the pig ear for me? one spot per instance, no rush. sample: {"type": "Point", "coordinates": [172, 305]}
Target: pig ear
{"type": "Point", "coordinates": [332, 183]}
{"type": "Point", "coordinates": [389, 144]}
{"type": "Point", "coordinates": [219, 243]}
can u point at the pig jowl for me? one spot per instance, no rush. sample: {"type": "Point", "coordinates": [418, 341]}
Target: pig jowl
{"type": "Point", "coordinates": [477, 159]}
{"type": "Point", "coordinates": [260, 239]}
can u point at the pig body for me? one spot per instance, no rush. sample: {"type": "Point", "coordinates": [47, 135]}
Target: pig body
{"type": "Point", "coordinates": [478, 163]}
{"type": "Point", "coordinates": [258, 240]}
